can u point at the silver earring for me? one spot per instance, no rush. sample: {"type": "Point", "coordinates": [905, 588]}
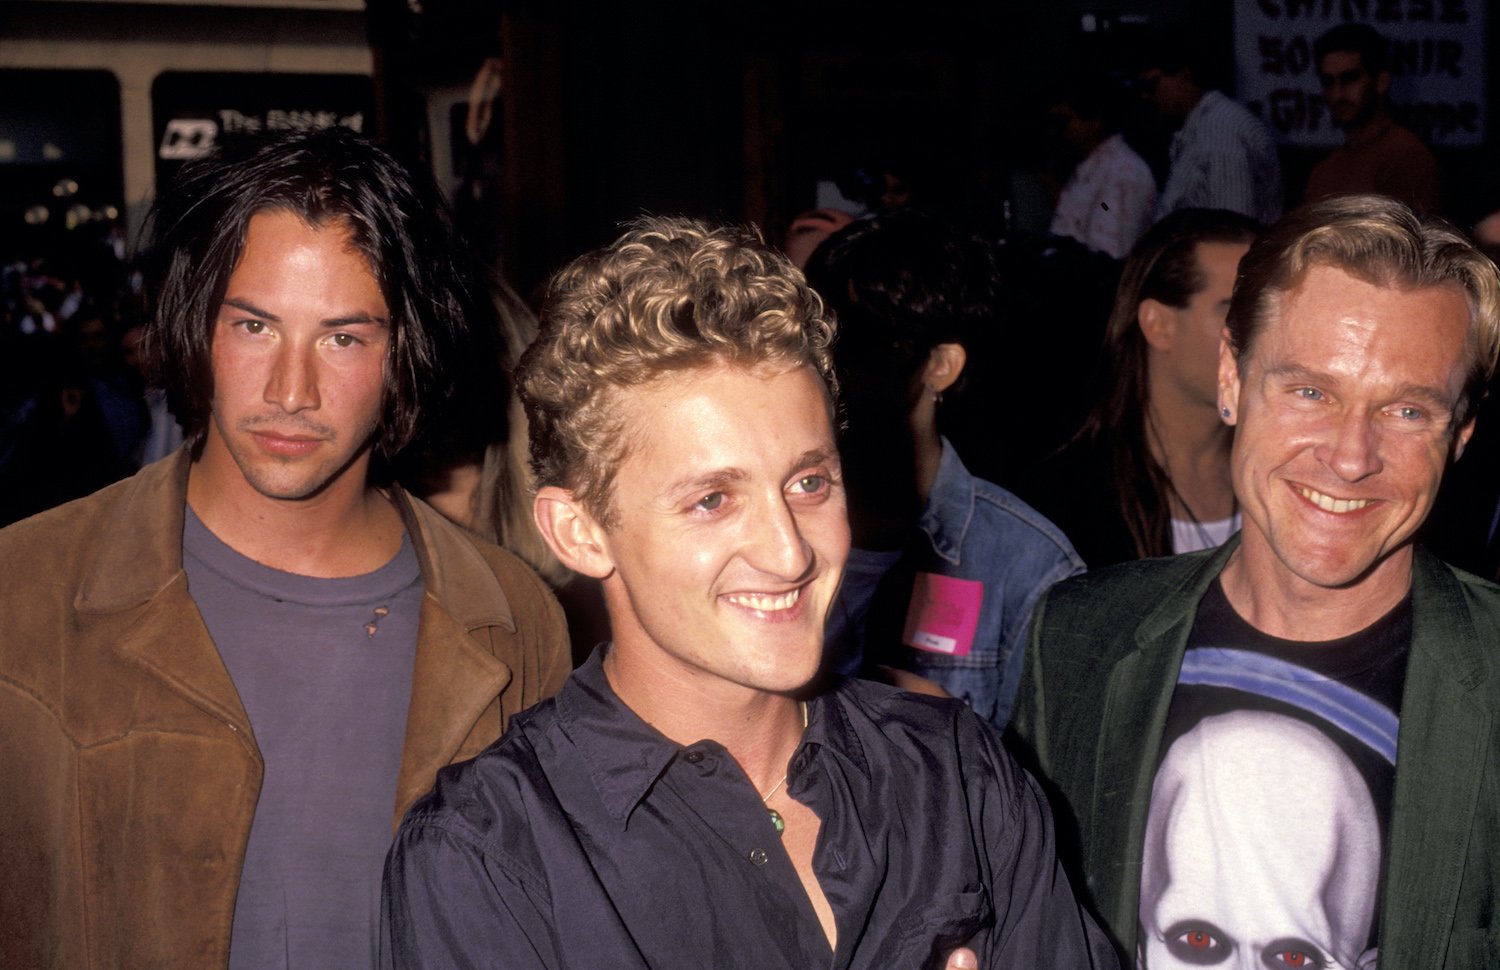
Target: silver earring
{"type": "Point", "coordinates": [1224, 413]}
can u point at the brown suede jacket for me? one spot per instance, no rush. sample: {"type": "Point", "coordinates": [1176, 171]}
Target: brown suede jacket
{"type": "Point", "coordinates": [128, 771]}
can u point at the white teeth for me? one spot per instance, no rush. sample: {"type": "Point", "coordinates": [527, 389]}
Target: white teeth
{"type": "Point", "coordinates": [764, 603]}
{"type": "Point", "coordinates": [1336, 505]}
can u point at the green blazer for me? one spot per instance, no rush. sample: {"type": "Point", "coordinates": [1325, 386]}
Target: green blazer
{"type": "Point", "coordinates": [1102, 662]}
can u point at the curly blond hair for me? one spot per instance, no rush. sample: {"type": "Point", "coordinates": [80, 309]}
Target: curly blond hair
{"type": "Point", "coordinates": [669, 295]}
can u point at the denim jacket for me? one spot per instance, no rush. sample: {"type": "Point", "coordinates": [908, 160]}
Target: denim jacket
{"type": "Point", "coordinates": [974, 530]}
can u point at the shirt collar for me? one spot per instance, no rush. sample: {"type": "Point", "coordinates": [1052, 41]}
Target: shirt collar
{"type": "Point", "coordinates": [624, 756]}
{"type": "Point", "coordinates": [950, 506]}
{"type": "Point", "coordinates": [828, 729]}
{"type": "Point", "coordinates": [1204, 106]}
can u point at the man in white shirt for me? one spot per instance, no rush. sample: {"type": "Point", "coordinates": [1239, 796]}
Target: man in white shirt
{"type": "Point", "coordinates": [1109, 199]}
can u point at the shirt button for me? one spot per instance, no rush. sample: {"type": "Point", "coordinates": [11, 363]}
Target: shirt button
{"type": "Point", "coordinates": [758, 856]}
{"type": "Point", "coordinates": [693, 757]}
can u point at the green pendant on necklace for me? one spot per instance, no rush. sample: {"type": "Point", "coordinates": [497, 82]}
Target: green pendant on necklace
{"type": "Point", "coordinates": [777, 821]}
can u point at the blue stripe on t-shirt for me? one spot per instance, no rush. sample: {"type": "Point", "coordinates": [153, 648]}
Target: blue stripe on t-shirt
{"type": "Point", "coordinates": [1356, 713]}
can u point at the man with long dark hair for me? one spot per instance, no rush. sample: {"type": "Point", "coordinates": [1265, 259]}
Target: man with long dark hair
{"type": "Point", "coordinates": [223, 680]}
{"type": "Point", "coordinates": [1148, 473]}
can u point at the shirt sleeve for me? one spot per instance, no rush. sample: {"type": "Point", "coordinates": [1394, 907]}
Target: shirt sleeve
{"type": "Point", "coordinates": [1038, 920]}
{"type": "Point", "coordinates": [1231, 182]}
{"type": "Point", "coordinates": [447, 904]}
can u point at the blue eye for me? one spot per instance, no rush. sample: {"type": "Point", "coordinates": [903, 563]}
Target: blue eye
{"type": "Point", "coordinates": [811, 484]}
{"type": "Point", "coordinates": [709, 502]}
{"type": "Point", "coordinates": [1309, 393]}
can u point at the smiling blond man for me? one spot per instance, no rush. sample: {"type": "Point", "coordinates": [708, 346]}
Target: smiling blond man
{"type": "Point", "coordinates": [1359, 341]}
{"type": "Point", "coordinates": [687, 800]}
{"type": "Point", "coordinates": [223, 680]}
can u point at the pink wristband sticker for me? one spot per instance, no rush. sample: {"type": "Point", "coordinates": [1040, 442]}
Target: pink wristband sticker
{"type": "Point", "coordinates": [944, 614]}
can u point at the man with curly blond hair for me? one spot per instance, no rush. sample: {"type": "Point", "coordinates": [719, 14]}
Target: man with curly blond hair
{"type": "Point", "coordinates": [688, 800]}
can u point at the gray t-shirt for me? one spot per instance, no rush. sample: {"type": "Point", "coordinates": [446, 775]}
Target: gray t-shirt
{"type": "Point", "coordinates": [324, 668]}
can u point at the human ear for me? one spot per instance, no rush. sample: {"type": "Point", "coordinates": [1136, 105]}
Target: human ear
{"type": "Point", "coordinates": [1461, 440]}
{"type": "Point", "coordinates": [1158, 323]}
{"type": "Point", "coordinates": [1383, 83]}
{"type": "Point", "coordinates": [1229, 380]}
{"type": "Point", "coordinates": [571, 532]}
{"type": "Point", "coordinates": [945, 362]}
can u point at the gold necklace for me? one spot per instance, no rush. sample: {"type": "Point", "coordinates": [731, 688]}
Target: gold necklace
{"type": "Point", "coordinates": [776, 819]}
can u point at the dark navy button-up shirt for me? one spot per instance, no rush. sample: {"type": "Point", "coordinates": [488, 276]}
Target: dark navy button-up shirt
{"type": "Point", "coordinates": [586, 839]}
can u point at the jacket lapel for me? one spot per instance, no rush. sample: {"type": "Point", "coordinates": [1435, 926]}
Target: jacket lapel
{"type": "Point", "coordinates": [171, 642]}
{"type": "Point", "coordinates": [138, 565]}
{"type": "Point", "coordinates": [456, 677]}
{"type": "Point", "coordinates": [1440, 760]}
{"type": "Point", "coordinates": [1134, 719]}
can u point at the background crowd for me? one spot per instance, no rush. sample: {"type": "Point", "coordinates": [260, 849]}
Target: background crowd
{"type": "Point", "coordinates": [1072, 392]}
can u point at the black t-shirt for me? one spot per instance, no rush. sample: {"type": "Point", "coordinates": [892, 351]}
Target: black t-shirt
{"type": "Point", "coordinates": [1271, 806]}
